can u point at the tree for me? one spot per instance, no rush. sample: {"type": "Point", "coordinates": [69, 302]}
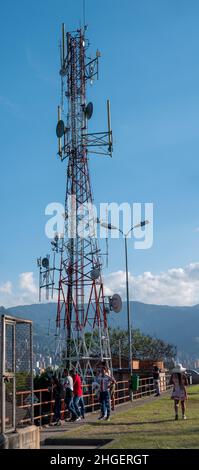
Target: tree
{"type": "Point", "coordinates": [143, 346]}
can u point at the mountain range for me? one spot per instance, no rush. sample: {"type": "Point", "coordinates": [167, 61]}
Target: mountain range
{"type": "Point", "coordinates": [176, 325]}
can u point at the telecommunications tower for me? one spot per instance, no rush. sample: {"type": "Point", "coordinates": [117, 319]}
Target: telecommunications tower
{"type": "Point", "coordinates": [82, 308]}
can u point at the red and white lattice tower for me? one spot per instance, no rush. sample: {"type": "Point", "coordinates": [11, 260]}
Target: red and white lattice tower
{"type": "Point", "coordinates": [82, 307]}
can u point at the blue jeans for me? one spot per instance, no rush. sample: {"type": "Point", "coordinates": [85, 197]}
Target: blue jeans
{"type": "Point", "coordinates": [157, 386]}
{"type": "Point", "coordinates": [81, 404]}
{"type": "Point", "coordinates": [78, 402]}
{"type": "Point", "coordinates": [69, 400]}
{"type": "Point", "coordinates": [105, 403]}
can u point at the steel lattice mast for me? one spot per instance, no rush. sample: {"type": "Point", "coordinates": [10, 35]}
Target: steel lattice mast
{"type": "Point", "coordinates": [81, 321]}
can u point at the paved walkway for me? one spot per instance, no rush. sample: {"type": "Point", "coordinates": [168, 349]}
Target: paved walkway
{"type": "Point", "coordinates": [51, 432]}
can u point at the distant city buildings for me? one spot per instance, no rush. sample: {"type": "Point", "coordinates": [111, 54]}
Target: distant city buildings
{"type": "Point", "coordinates": [190, 362]}
{"type": "Point", "coordinates": [42, 362]}
{"type": "Point", "coordinates": [196, 365]}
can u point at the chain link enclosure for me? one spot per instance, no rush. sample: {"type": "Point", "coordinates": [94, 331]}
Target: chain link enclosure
{"type": "Point", "coordinates": [16, 373]}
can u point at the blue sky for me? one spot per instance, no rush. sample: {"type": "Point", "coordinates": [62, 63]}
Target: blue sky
{"type": "Point", "coordinates": [150, 70]}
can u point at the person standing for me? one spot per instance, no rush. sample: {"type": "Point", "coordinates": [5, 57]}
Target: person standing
{"type": "Point", "coordinates": [179, 393]}
{"type": "Point", "coordinates": [106, 367]}
{"type": "Point", "coordinates": [78, 400]}
{"type": "Point", "coordinates": [156, 380]}
{"type": "Point", "coordinates": [105, 381]}
{"type": "Point", "coordinates": [112, 385]}
{"type": "Point", "coordinates": [112, 395]}
{"type": "Point", "coordinates": [96, 386]}
{"type": "Point", "coordinates": [56, 391]}
{"type": "Point", "coordinates": [68, 389]}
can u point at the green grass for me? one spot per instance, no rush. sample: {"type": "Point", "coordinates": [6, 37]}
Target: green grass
{"type": "Point", "coordinates": [149, 426]}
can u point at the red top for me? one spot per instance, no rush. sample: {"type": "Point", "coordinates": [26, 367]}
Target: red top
{"type": "Point", "coordinates": [77, 386]}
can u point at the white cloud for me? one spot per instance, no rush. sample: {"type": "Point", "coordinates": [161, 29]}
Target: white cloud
{"type": "Point", "coordinates": [177, 286]}
{"type": "Point", "coordinates": [27, 283]}
{"type": "Point", "coordinates": [6, 288]}
{"type": "Point", "coordinates": [25, 291]}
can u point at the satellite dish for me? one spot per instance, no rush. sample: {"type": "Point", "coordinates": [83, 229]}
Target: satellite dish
{"type": "Point", "coordinates": [89, 110]}
{"type": "Point", "coordinates": [116, 303]}
{"type": "Point", "coordinates": [45, 263]}
{"type": "Point", "coordinates": [60, 129]}
{"type": "Point", "coordinates": [95, 273]}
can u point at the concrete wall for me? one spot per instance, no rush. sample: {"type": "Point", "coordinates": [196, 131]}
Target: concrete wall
{"type": "Point", "coordinates": [23, 438]}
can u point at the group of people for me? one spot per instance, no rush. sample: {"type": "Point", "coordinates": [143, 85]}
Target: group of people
{"type": "Point", "coordinates": [70, 387]}
{"type": "Point", "coordinates": [103, 386]}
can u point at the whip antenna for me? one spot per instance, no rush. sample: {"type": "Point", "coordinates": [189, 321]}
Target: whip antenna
{"type": "Point", "coordinates": [84, 13]}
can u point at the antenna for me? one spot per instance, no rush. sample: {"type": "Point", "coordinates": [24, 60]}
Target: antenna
{"type": "Point", "coordinates": [63, 44]}
{"type": "Point", "coordinates": [59, 138]}
{"type": "Point", "coordinates": [84, 13]}
{"type": "Point", "coordinates": [76, 274]}
{"type": "Point", "coordinates": [107, 239]}
{"type": "Point", "coordinates": [60, 52]}
{"type": "Point", "coordinates": [106, 252]}
{"type": "Point", "coordinates": [109, 127]}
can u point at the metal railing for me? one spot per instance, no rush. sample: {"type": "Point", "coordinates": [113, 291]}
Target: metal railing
{"type": "Point", "coordinates": [146, 386]}
{"type": "Point", "coordinates": [43, 402]}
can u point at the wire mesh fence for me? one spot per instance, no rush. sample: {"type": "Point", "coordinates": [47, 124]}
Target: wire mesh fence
{"type": "Point", "coordinates": [16, 372]}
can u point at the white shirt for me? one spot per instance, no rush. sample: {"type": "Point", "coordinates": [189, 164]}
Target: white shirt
{"type": "Point", "coordinates": [68, 382]}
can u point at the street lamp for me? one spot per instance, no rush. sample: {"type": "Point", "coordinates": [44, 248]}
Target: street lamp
{"type": "Point", "coordinates": [120, 354]}
{"type": "Point", "coordinates": [125, 235]}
